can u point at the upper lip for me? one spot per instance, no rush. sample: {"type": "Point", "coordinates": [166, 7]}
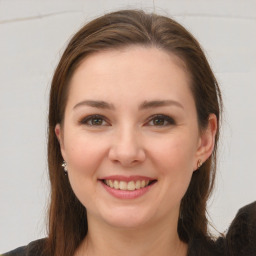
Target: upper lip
{"type": "Point", "coordinates": [127, 178]}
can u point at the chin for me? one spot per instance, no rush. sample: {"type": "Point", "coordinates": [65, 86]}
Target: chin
{"type": "Point", "coordinates": [127, 223]}
{"type": "Point", "coordinates": [128, 218]}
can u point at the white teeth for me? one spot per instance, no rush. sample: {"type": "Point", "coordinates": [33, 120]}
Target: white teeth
{"type": "Point", "coordinates": [137, 185]}
{"type": "Point", "coordinates": [116, 184]}
{"type": "Point", "coordinates": [111, 183]}
{"type": "Point", "coordinates": [131, 185]}
{"type": "Point", "coordinates": [123, 185]}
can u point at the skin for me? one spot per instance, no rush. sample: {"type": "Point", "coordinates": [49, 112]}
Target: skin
{"type": "Point", "coordinates": [127, 139]}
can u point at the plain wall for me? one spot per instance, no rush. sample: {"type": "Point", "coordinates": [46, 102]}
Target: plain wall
{"type": "Point", "coordinates": [33, 34]}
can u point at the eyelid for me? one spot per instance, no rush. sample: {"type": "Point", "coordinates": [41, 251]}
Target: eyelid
{"type": "Point", "coordinates": [85, 120]}
{"type": "Point", "coordinates": [167, 118]}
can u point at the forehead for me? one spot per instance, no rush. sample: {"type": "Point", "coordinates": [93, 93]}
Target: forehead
{"type": "Point", "coordinates": [149, 57]}
{"type": "Point", "coordinates": [132, 71]}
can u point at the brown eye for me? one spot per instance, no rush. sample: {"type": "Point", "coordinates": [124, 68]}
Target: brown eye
{"type": "Point", "coordinates": [94, 120]}
{"type": "Point", "coordinates": [158, 121]}
{"type": "Point", "coordinates": [161, 120]}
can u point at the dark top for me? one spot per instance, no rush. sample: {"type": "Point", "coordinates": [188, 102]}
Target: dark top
{"type": "Point", "coordinates": [240, 239]}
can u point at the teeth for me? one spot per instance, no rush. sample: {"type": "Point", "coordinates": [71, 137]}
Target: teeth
{"type": "Point", "coordinates": [131, 185]}
{"type": "Point", "coordinates": [116, 184]}
{"type": "Point", "coordinates": [137, 185]}
{"type": "Point", "coordinates": [123, 185]}
{"type": "Point", "coordinates": [110, 183]}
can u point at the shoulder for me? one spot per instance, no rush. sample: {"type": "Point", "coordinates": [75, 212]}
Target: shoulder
{"type": "Point", "coordinates": [202, 246]}
{"type": "Point", "coordinates": [34, 248]}
{"type": "Point", "coordinates": [240, 239]}
{"type": "Point", "coordinates": [241, 235]}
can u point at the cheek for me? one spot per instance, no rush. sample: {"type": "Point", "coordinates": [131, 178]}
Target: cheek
{"type": "Point", "coordinates": [175, 154]}
{"type": "Point", "coordinates": [174, 161]}
{"type": "Point", "coordinates": [84, 153]}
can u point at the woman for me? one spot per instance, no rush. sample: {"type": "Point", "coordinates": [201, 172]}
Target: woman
{"type": "Point", "coordinates": [134, 122]}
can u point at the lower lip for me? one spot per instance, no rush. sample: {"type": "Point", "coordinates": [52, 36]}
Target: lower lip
{"type": "Point", "coordinates": [126, 194]}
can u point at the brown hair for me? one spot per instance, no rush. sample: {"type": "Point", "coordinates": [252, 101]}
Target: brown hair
{"type": "Point", "coordinates": [67, 216]}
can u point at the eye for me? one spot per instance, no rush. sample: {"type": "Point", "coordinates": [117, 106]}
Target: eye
{"type": "Point", "coordinates": [94, 120]}
{"type": "Point", "coordinates": [160, 120]}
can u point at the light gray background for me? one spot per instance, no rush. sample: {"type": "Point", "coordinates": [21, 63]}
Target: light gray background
{"type": "Point", "coordinates": [33, 34]}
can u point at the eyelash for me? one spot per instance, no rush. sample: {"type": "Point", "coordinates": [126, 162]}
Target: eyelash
{"type": "Point", "coordinates": [167, 120]}
{"type": "Point", "coordinates": [88, 119]}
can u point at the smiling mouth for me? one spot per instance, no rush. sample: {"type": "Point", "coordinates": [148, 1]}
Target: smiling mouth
{"type": "Point", "coordinates": [128, 186]}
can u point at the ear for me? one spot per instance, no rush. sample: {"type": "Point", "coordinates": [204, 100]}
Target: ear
{"type": "Point", "coordinates": [206, 141]}
{"type": "Point", "coordinates": [59, 135]}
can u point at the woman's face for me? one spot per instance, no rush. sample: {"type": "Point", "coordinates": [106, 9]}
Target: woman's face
{"type": "Point", "coordinates": [130, 136]}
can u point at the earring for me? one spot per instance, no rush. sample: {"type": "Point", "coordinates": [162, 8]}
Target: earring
{"type": "Point", "coordinates": [199, 163]}
{"type": "Point", "coordinates": [64, 165]}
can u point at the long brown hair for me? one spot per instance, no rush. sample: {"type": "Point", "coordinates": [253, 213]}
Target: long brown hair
{"type": "Point", "coordinates": [67, 216]}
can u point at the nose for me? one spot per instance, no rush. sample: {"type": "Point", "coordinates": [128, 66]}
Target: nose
{"type": "Point", "coordinates": [127, 149]}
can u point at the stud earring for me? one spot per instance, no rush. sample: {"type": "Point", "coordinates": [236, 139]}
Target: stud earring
{"type": "Point", "coordinates": [64, 165]}
{"type": "Point", "coordinates": [199, 163]}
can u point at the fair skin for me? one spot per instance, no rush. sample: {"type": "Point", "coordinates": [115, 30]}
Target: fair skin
{"type": "Point", "coordinates": [131, 141]}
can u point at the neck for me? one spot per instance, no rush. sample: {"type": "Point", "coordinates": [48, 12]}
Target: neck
{"type": "Point", "coordinates": [147, 240]}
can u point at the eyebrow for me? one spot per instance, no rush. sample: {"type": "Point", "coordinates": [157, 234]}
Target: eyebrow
{"type": "Point", "coordinates": [95, 104]}
{"type": "Point", "coordinates": [159, 103]}
{"type": "Point", "coordinates": [144, 105]}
